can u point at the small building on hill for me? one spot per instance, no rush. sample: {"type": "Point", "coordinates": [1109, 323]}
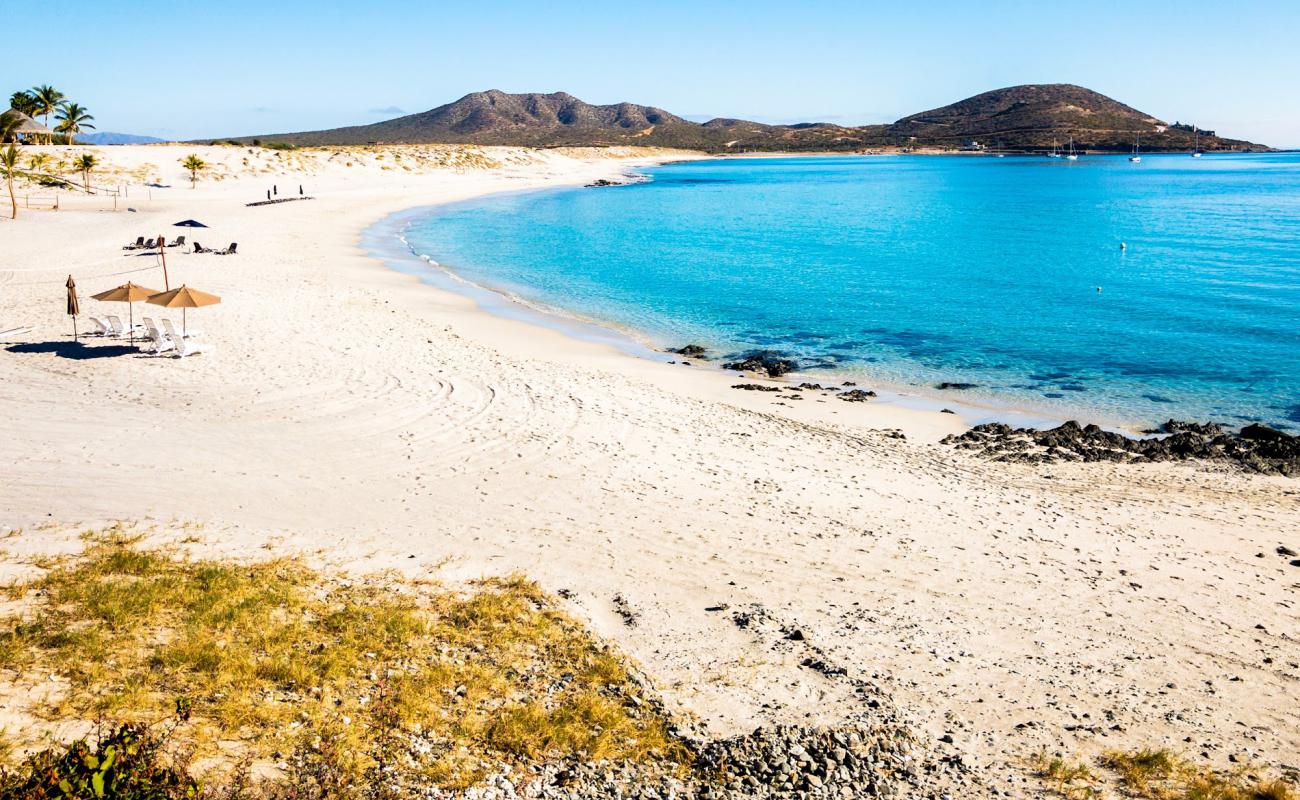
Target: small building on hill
{"type": "Point", "coordinates": [28, 130]}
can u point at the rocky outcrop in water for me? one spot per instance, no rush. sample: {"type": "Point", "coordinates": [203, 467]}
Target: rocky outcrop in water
{"type": "Point", "coordinates": [1256, 448]}
{"type": "Point", "coordinates": [773, 363]}
{"type": "Point", "coordinates": [690, 351]}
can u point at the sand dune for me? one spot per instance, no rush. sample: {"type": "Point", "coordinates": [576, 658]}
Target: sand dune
{"type": "Point", "coordinates": [352, 413]}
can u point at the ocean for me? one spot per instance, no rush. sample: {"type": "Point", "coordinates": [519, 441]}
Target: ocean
{"type": "Point", "coordinates": [1098, 289]}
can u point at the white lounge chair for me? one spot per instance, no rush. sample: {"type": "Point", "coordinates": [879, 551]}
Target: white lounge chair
{"type": "Point", "coordinates": [116, 328]}
{"type": "Point", "coordinates": [161, 341]}
{"type": "Point", "coordinates": [184, 347]}
{"type": "Point", "coordinates": [99, 327]}
{"type": "Point", "coordinates": [19, 331]}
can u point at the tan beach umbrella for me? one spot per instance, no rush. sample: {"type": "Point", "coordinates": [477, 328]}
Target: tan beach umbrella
{"type": "Point", "coordinates": [130, 294]}
{"type": "Point", "coordinates": [184, 298]}
{"type": "Point", "coordinates": [74, 305]}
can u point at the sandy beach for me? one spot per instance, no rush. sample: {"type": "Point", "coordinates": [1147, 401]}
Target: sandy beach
{"type": "Point", "coordinates": [352, 413]}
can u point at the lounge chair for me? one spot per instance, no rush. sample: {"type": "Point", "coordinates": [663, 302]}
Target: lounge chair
{"type": "Point", "coordinates": [99, 327]}
{"type": "Point", "coordinates": [149, 245]}
{"type": "Point", "coordinates": [149, 324]}
{"type": "Point", "coordinates": [229, 251]}
{"type": "Point", "coordinates": [198, 248]}
{"type": "Point", "coordinates": [139, 243]}
{"type": "Point", "coordinates": [161, 341]}
{"type": "Point", "coordinates": [116, 328]}
{"type": "Point", "coordinates": [184, 347]}
{"type": "Point", "coordinates": [180, 242]}
{"type": "Point", "coordinates": [19, 331]}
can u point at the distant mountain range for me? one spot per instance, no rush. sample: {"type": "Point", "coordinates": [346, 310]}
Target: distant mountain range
{"type": "Point", "coordinates": [1030, 117]}
{"type": "Point", "coordinates": [107, 137]}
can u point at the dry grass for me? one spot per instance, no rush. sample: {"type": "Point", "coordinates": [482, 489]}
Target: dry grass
{"type": "Point", "coordinates": [488, 676]}
{"type": "Point", "coordinates": [1157, 774]}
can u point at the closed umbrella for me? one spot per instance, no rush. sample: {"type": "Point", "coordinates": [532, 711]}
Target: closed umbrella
{"type": "Point", "coordinates": [130, 294]}
{"type": "Point", "coordinates": [74, 305]}
{"type": "Point", "coordinates": [184, 298]}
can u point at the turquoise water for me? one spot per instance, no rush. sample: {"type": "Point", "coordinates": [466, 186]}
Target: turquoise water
{"type": "Point", "coordinates": [915, 270]}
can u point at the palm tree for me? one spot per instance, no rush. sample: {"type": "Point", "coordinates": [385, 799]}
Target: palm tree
{"type": "Point", "coordinates": [73, 119]}
{"type": "Point", "coordinates": [84, 165]}
{"type": "Point", "coordinates": [25, 103]}
{"type": "Point", "coordinates": [9, 166]}
{"type": "Point", "coordinates": [8, 124]}
{"type": "Point", "coordinates": [47, 100]}
{"type": "Point", "coordinates": [195, 165]}
{"type": "Point", "coordinates": [38, 162]}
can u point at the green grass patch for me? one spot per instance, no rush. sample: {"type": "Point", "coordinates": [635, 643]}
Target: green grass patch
{"type": "Point", "coordinates": [492, 675]}
{"type": "Point", "coordinates": [1157, 774]}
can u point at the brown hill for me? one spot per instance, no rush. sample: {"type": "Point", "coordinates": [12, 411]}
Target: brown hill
{"type": "Point", "coordinates": [1031, 117]}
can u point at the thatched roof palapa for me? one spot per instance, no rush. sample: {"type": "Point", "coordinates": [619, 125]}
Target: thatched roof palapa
{"type": "Point", "coordinates": [28, 126]}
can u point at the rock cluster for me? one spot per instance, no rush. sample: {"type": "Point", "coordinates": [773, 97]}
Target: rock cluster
{"type": "Point", "coordinates": [794, 762]}
{"type": "Point", "coordinates": [773, 363]}
{"type": "Point", "coordinates": [1256, 448]}
{"type": "Point", "coordinates": [689, 350]}
{"type": "Point", "coordinates": [856, 395]}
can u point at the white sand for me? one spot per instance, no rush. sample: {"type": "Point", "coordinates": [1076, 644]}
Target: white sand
{"type": "Point", "coordinates": [351, 412]}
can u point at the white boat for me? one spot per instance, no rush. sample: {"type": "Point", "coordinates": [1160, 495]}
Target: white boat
{"type": "Point", "coordinates": [1137, 145]}
{"type": "Point", "coordinates": [1071, 155]}
{"type": "Point", "coordinates": [1196, 148]}
{"type": "Point", "coordinates": [1053, 154]}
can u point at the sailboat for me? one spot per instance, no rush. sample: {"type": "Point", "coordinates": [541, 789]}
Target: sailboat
{"type": "Point", "coordinates": [1053, 154]}
{"type": "Point", "coordinates": [1196, 148]}
{"type": "Point", "coordinates": [1137, 145]}
{"type": "Point", "coordinates": [1071, 155]}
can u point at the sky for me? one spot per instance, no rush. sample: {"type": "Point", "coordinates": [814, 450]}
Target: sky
{"type": "Point", "coordinates": [182, 69]}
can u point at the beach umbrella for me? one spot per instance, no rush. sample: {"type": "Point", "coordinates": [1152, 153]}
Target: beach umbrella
{"type": "Point", "coordinates": [130, 294]}
{"type": "Point", "coordinates": [184, 298]}
{"type": "Point", "coordinates": [74, 305]}
{"type": "Point", "coordinates": [188, 223]}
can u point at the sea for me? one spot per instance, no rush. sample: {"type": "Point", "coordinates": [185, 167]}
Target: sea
{"type": "Point", "coordinates": [1098, 289]}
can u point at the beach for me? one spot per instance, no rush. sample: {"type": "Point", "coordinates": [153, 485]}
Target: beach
{"type": "Point", "coordinates": [351, 413]}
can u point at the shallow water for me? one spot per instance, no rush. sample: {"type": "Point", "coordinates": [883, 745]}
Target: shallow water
{"type": "Point", "coordinates": [916, 270]}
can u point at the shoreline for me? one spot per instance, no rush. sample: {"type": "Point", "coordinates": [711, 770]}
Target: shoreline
{"type": "Point", "coordinates": [376, 239]}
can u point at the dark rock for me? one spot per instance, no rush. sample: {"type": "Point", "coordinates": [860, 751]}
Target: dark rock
{"type": "Point", "coordinates": [773, 363]}
{"type": "Point", "coordinates": [690, 350]}
{"type": "Point", "coordinates": [756, 387]}
{"type": "Point", "coordinates": [947, 385]}
{"type": "Point", "coordinates": [946, 411]}
{"type": "Point", "coordinates": [856, 395]}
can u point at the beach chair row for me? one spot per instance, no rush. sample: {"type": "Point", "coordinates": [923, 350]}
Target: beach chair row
{"type": "Point", "coordinates": [161, 340]}
{"type": "Point", "coordinates": [152, 244]}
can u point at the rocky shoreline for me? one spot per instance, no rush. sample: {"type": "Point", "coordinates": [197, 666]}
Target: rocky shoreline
{"type": "Point", "coordinates": [1255, 448]}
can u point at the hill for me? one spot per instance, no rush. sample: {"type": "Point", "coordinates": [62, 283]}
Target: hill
{"type": "Point", "coordinates": [108, 137]}
{"type": "Point", "coordinates": [1029, 117]}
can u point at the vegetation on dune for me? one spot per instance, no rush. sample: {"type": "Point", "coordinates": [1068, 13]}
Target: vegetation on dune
{"type": "Point", "coordinates": [1156, 774]}
{"type": "Point", "coordinates": [357, 674]}
{"type": "Point", "coordinates": [194, 165]}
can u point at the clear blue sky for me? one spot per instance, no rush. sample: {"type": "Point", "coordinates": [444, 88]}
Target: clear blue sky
{"type": "Point", "coordinates": [184, 69]}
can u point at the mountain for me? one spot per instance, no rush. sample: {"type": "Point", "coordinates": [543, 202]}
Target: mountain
{"type": "Point", "coordinates": [1028, 117]}
{"type": "Point", "coordinates": [107, 137]}
{"type": "Point", "coordinates": [1037, 115]}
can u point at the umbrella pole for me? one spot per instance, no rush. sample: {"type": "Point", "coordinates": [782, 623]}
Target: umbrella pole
{"type": "Point", "coordinates": [130, 310]}
{"type": "Point", "coordinates": [74, 327]}
{"type": "Point", "coordinates": [162, 253]}
{"type": "Point", "coordinates": [185, 328]}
